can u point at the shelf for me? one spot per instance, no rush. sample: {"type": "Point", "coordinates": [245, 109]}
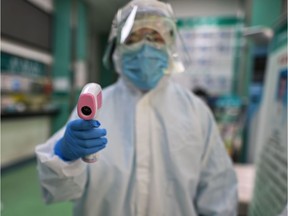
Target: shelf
{"type": "Point", "coordinates": [29, 114]}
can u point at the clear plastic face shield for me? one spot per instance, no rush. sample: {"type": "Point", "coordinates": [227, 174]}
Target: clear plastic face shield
{"type": "Point", "coordinates": [141, 26]}
{"type": "Point", "coordinates": [146, 22]}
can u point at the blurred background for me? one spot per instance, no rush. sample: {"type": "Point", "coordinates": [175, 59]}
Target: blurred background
{"type": "Point", "coordinates": [235, 55]}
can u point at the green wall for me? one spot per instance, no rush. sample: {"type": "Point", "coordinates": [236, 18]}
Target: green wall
{"type": "Point", "coordinates": [62, 59]}
{"type": "Point", "coordinates": [262, 13]}
{"type": "Point", "coordinates": [69, 46]}
{"type": "Point", "coordinates": [265, 12]}
{"type": "Point", "coordinates": [107, 77]}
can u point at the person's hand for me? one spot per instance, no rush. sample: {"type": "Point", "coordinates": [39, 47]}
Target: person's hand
{"type": "Point", "coordinates": [81, 138]}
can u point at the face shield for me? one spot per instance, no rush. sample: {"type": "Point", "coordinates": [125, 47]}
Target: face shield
{"type": "Point", "coordinates": [143, 22]}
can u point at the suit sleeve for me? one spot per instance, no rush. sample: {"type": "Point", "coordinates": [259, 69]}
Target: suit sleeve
{"type": "Point", "coordinates": [60, 180]}
{"type": "Point", "coordinates": [217, 188]}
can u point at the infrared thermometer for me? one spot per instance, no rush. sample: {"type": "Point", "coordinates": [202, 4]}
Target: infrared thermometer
{"type": "Point", "coordinates": [88, 106]}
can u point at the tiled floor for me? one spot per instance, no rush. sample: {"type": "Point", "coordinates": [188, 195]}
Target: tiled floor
{"type": "Point", "coordinates": [21, 194]}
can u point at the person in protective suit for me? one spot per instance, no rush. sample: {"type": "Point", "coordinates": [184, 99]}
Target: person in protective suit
{"type": "Point", "coordinates": [164, 154]}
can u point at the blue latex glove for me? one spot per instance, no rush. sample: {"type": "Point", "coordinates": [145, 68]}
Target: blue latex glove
{"type": "Point", "coordinates": [81, 138]}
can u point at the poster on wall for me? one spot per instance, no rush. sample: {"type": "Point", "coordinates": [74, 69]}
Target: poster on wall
{"type": "Point", "coordinates": [270, 192]}
{"type": "Point", "coordinates": [209, 50]}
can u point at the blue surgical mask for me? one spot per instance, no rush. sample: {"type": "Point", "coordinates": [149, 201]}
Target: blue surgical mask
{"type": "Point", "coordinates": [145, 66]}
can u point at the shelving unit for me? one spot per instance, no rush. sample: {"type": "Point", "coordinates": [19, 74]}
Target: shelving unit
{"type": "Point", "coordinates": [26, 81]}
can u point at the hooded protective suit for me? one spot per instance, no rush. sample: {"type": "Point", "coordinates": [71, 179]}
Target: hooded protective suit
{"type": "Point", "coordinates": [164, 157]}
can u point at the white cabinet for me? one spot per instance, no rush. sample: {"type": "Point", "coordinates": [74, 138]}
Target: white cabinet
{"type": "Point", "coordinates": [19, 136]}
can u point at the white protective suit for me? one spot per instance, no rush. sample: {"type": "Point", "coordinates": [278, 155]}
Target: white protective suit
{"type": "Point", "coordinates": [164, 157]}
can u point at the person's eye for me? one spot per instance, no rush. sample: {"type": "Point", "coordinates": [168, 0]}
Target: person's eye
{"type": "Point", "coordinates": [128, 40]}
{"type": "Point", "coordinates": [131, 39]}
{"type": "Point", "coordinates": [159, 40]}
